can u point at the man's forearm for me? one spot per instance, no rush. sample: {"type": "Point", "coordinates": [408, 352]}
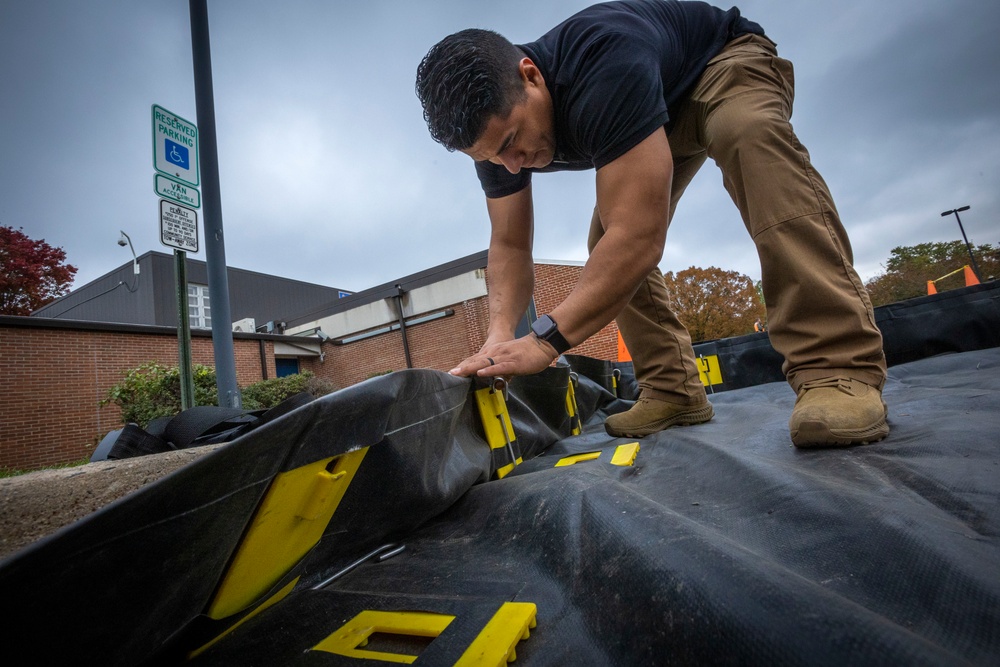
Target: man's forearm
{"type": "Point", "coordinates": [511, 280]}
{"type": "Point", "coordinates": [616, 267]}
{"type": "Point", "coordinates": [510, 269]}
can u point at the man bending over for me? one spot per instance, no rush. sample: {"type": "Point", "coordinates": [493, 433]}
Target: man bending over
{"type": "Point", "coordinates": [643, 91]}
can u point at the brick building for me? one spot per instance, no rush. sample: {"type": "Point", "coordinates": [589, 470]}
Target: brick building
{"type": "Point", "coordinates": [56, 371]}
{"type": "Point", "coordinates": [445, 318]}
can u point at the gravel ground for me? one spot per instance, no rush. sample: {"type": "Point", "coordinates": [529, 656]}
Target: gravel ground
{"type": "Point", "coordinates": [39, 503]}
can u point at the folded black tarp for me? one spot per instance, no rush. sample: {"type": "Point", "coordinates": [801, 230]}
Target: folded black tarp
{"type": "Point", "coordinates": [716, 543]}
{"type": "Point", "coordinates": [722, 544]}
{"type": "Point", "coordinates": [958, 320]}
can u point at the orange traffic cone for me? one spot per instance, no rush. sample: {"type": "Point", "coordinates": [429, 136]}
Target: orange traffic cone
{"type": "Point", "coordinates": [930, 287]}
{"type": "Point", "coordinates": [970, 276]}
{"type": "Point", "coordinates": [623, 353]}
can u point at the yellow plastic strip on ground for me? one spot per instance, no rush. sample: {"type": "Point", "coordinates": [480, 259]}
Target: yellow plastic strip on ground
{"type": "Point", "coordinates": [709, 370]}
{"type": "Point", "coordinates": [625, 454]}
{"type": "Point", "coordinates": [289, 522]}
{"type": "Point", "coordinates": [507, 469]}
{"type": "Point", "coordinates": [576, 458]}
{"type": "Point", "coordinates": [494, 646]}
{"type": "Point", "coordinates": [274, 599]}
{"type": "Point", "coordinates": [348, 639]}
{"type": "Point", "coordinates": [496, 424]}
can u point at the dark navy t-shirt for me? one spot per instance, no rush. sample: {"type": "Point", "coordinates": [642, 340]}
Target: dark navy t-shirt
{"type": "Point", "coordinates": [614, 71]}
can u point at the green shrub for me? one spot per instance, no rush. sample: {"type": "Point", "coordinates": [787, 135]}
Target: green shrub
{"type": "Point", "coordinates": [268, 393]}
{"type": "Point", "coordinates": [153, 390]}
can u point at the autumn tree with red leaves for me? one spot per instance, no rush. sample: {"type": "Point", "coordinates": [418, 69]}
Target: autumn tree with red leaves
{"type": "Point", "coordinates": [714, 303]}
{"type": "Point", "coordinates": [32, 273]}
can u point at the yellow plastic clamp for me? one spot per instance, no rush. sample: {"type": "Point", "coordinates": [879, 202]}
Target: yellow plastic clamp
{"type": "Point", "coordinates": [496, 424]}
{"type": "Point", "coordinates": [571, 406]}
{"type": "Point", "coordinates": [273, 600]}
{"type": "Point", "coordinates": [625, 454]}
{"type": "Point", "coordinates": [494, 646]}
{"type": "Point", "coordinates": [351, 637]}
{"type": "Point", "coordinates": [709, 370]}
{"type": "Point", "coordinates": [289, 522]}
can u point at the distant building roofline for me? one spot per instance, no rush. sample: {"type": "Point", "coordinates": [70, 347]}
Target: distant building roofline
{"type": "Point", "coordinates": [561, 262]}
{"type": "Point", "coordinates": [390, 289]}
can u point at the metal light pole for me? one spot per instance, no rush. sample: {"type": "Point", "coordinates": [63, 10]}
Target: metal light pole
{"type": "Point", "coordinates": [975, 267]}
{"type": "Point", "coordinates": [215, 248]}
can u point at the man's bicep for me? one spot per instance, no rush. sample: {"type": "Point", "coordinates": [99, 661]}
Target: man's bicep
{"type": "Point", "coordinates": [633, 191]}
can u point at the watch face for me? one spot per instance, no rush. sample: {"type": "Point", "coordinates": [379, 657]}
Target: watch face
{"type": "Point", "coordinates": [546, 329]}
{"type": "Point", "coordinates": [543, 327]}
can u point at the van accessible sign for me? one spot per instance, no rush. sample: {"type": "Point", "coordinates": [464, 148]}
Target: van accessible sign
{"type": "Point", "coordinates": [174, 189]}
{"type": "Point", "coordinates": [175, 146]}
{"type": "Point", "coordinates": [178, 226]}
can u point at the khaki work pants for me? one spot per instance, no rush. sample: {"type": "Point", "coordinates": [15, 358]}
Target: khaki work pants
{"type": "Point", "coordinates": [819, 315]}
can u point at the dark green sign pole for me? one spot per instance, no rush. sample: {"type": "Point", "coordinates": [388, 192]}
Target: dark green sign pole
{"type": "Point", "coordinates": [183, 331]}
{"type": "Point", "coordinates": [215, 248]}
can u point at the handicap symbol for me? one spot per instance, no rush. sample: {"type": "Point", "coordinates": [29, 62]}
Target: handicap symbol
{"type": "Point", "coordinates": [177, 154]}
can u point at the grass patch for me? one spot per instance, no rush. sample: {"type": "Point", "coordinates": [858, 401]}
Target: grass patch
{"type": "Point", "coordinates": [14, 472]}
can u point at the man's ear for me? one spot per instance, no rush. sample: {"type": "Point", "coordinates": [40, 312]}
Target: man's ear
{"type": "Point", "coordinates": [530, 73]}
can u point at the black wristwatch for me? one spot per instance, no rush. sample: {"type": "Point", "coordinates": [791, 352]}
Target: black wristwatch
{"type": "Point", "coordinates": [546, 328]}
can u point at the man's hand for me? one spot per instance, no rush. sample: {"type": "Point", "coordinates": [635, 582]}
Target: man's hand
{"type": "Point", "coordinates": [524, 356]}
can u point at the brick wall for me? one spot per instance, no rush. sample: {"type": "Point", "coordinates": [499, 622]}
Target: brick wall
{"type": "Point", "coordinates": [553, 283]}
{"type": "Point", "coordinates": [477, 322]}
{"type": "Point", "coordinates": [439, 344]}
{"type": "Point", "coordinates": [55, 378]}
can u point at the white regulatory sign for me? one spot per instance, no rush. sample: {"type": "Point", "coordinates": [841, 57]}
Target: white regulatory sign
{"type": "Point", "coordinates": [175, 146]}
{"type": "Point", "coordinates": [178, 226]}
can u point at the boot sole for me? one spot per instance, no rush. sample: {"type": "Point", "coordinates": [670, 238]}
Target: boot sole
{"type": "Point", "coordinates": [811, 434]}
{"type": "Point", "coordinates": [698, 416]}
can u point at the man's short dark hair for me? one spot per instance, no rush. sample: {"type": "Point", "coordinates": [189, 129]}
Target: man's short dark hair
{"type": "Point", "coordinates": [463, 81]}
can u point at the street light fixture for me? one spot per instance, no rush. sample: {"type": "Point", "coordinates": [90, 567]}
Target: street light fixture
{"type": "Point", "coordinates": [123, 241]}
{"type": "Point", "coordinates": [956, 211]}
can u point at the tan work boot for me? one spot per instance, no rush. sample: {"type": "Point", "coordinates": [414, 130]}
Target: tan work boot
{"type": "Point", "coordinates": [650, 415]}
{"type": "Point", "coordinates": [838, 411]}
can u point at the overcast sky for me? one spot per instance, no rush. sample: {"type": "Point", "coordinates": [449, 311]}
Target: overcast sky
{"type": "Point", "coordinates": [328, 174]}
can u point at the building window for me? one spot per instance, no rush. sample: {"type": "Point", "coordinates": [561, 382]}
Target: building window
{"type": "Point", "coordinates": [524, 324]}
{"type": "Point", "coordinates": [285, 366]}
{"type": "Point", "coordinates": [199, 307]}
